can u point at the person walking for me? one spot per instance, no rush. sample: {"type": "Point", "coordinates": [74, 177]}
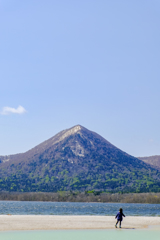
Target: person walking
{"type": "Point", "coordinates": [119, 217]}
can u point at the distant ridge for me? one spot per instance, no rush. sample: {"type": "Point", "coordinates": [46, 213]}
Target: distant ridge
{"type": "Point", "coordinates": [80, 160]}
{"type": "Point", "coordinates": [153, 161]}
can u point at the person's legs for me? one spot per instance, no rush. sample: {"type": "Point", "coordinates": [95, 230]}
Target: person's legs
{"type": "Point", "coordinates": [119, 224]}
{"type": "Point", "coordinates": [116, 223]}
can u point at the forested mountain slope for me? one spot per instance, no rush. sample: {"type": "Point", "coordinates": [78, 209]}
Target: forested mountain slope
{"type": "Point", "coordinates": [77, 159]}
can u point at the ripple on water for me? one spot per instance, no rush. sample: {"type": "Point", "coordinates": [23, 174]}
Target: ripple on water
{"type": "Point", "coordinates": [68, 208]}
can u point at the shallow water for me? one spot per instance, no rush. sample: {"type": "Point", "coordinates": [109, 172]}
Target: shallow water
{"type": "Point", "coordinates": [69, 208]}
{"type": "Point", "coordinates": [82, 234]}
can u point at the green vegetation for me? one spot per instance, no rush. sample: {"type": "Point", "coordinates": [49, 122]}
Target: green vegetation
{"type": "Point", "coordinates": [62, 180]}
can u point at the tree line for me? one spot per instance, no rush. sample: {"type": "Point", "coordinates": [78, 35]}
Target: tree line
{"type": "Point", "coordinates": [87, 196]}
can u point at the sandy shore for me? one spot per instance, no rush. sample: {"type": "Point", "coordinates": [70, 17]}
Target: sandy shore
{"type": "Point", "coordinates": [44, 222]}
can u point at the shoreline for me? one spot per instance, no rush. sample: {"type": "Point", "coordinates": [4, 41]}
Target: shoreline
{"type": "Point", "coordinates": [72, 222]}
{"type": "Point", "coordinates": [65, 196]}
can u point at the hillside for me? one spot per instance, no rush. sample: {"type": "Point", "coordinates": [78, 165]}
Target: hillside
{"type": "Point", "coordinates": [154, 161]}
{"type": "Point", "coordinates": [76, 159]}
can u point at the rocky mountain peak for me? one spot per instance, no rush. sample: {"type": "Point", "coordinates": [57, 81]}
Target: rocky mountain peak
{"type": "Point", "coordinates": [70, 131]}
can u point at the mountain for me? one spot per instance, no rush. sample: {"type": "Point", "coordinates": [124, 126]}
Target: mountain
{"type": "Point", "coordinates": [80, 160]}
{"type": "Point", "coordinates": [154, 161]}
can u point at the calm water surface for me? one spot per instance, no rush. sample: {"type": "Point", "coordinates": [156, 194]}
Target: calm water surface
{"type": "Point", "coordinates": [68, 208]}
{"type": "Point", "coordinates": [82, 234]}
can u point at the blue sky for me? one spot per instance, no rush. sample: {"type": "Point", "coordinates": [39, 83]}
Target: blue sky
{"type": "Point", "coordinates": [94, 63]}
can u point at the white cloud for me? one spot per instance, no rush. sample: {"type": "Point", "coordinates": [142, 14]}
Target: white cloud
{"type": "Point", "coordinates": [10, 110]}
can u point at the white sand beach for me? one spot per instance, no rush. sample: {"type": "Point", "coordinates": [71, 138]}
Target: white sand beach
{"type": "Point", "coordinates": [49, 222]}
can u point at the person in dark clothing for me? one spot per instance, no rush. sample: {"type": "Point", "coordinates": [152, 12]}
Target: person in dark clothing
{"type": "Point", "coordinates": [119, 217]}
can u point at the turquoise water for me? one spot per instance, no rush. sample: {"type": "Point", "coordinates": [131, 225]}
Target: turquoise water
{"type": "Point", "coordinates": [82, 234]}
{"type": "Point", "coordinates": [69, 208]}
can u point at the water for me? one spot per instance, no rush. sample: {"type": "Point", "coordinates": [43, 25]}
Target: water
{"type": "Point", "coordinates": [82, 234]}
{"type": "Point", "coordinates": [68, 208]}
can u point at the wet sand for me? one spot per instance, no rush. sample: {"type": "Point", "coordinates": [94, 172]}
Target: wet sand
{"type": "Point", "coordinates": [50, 222]}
